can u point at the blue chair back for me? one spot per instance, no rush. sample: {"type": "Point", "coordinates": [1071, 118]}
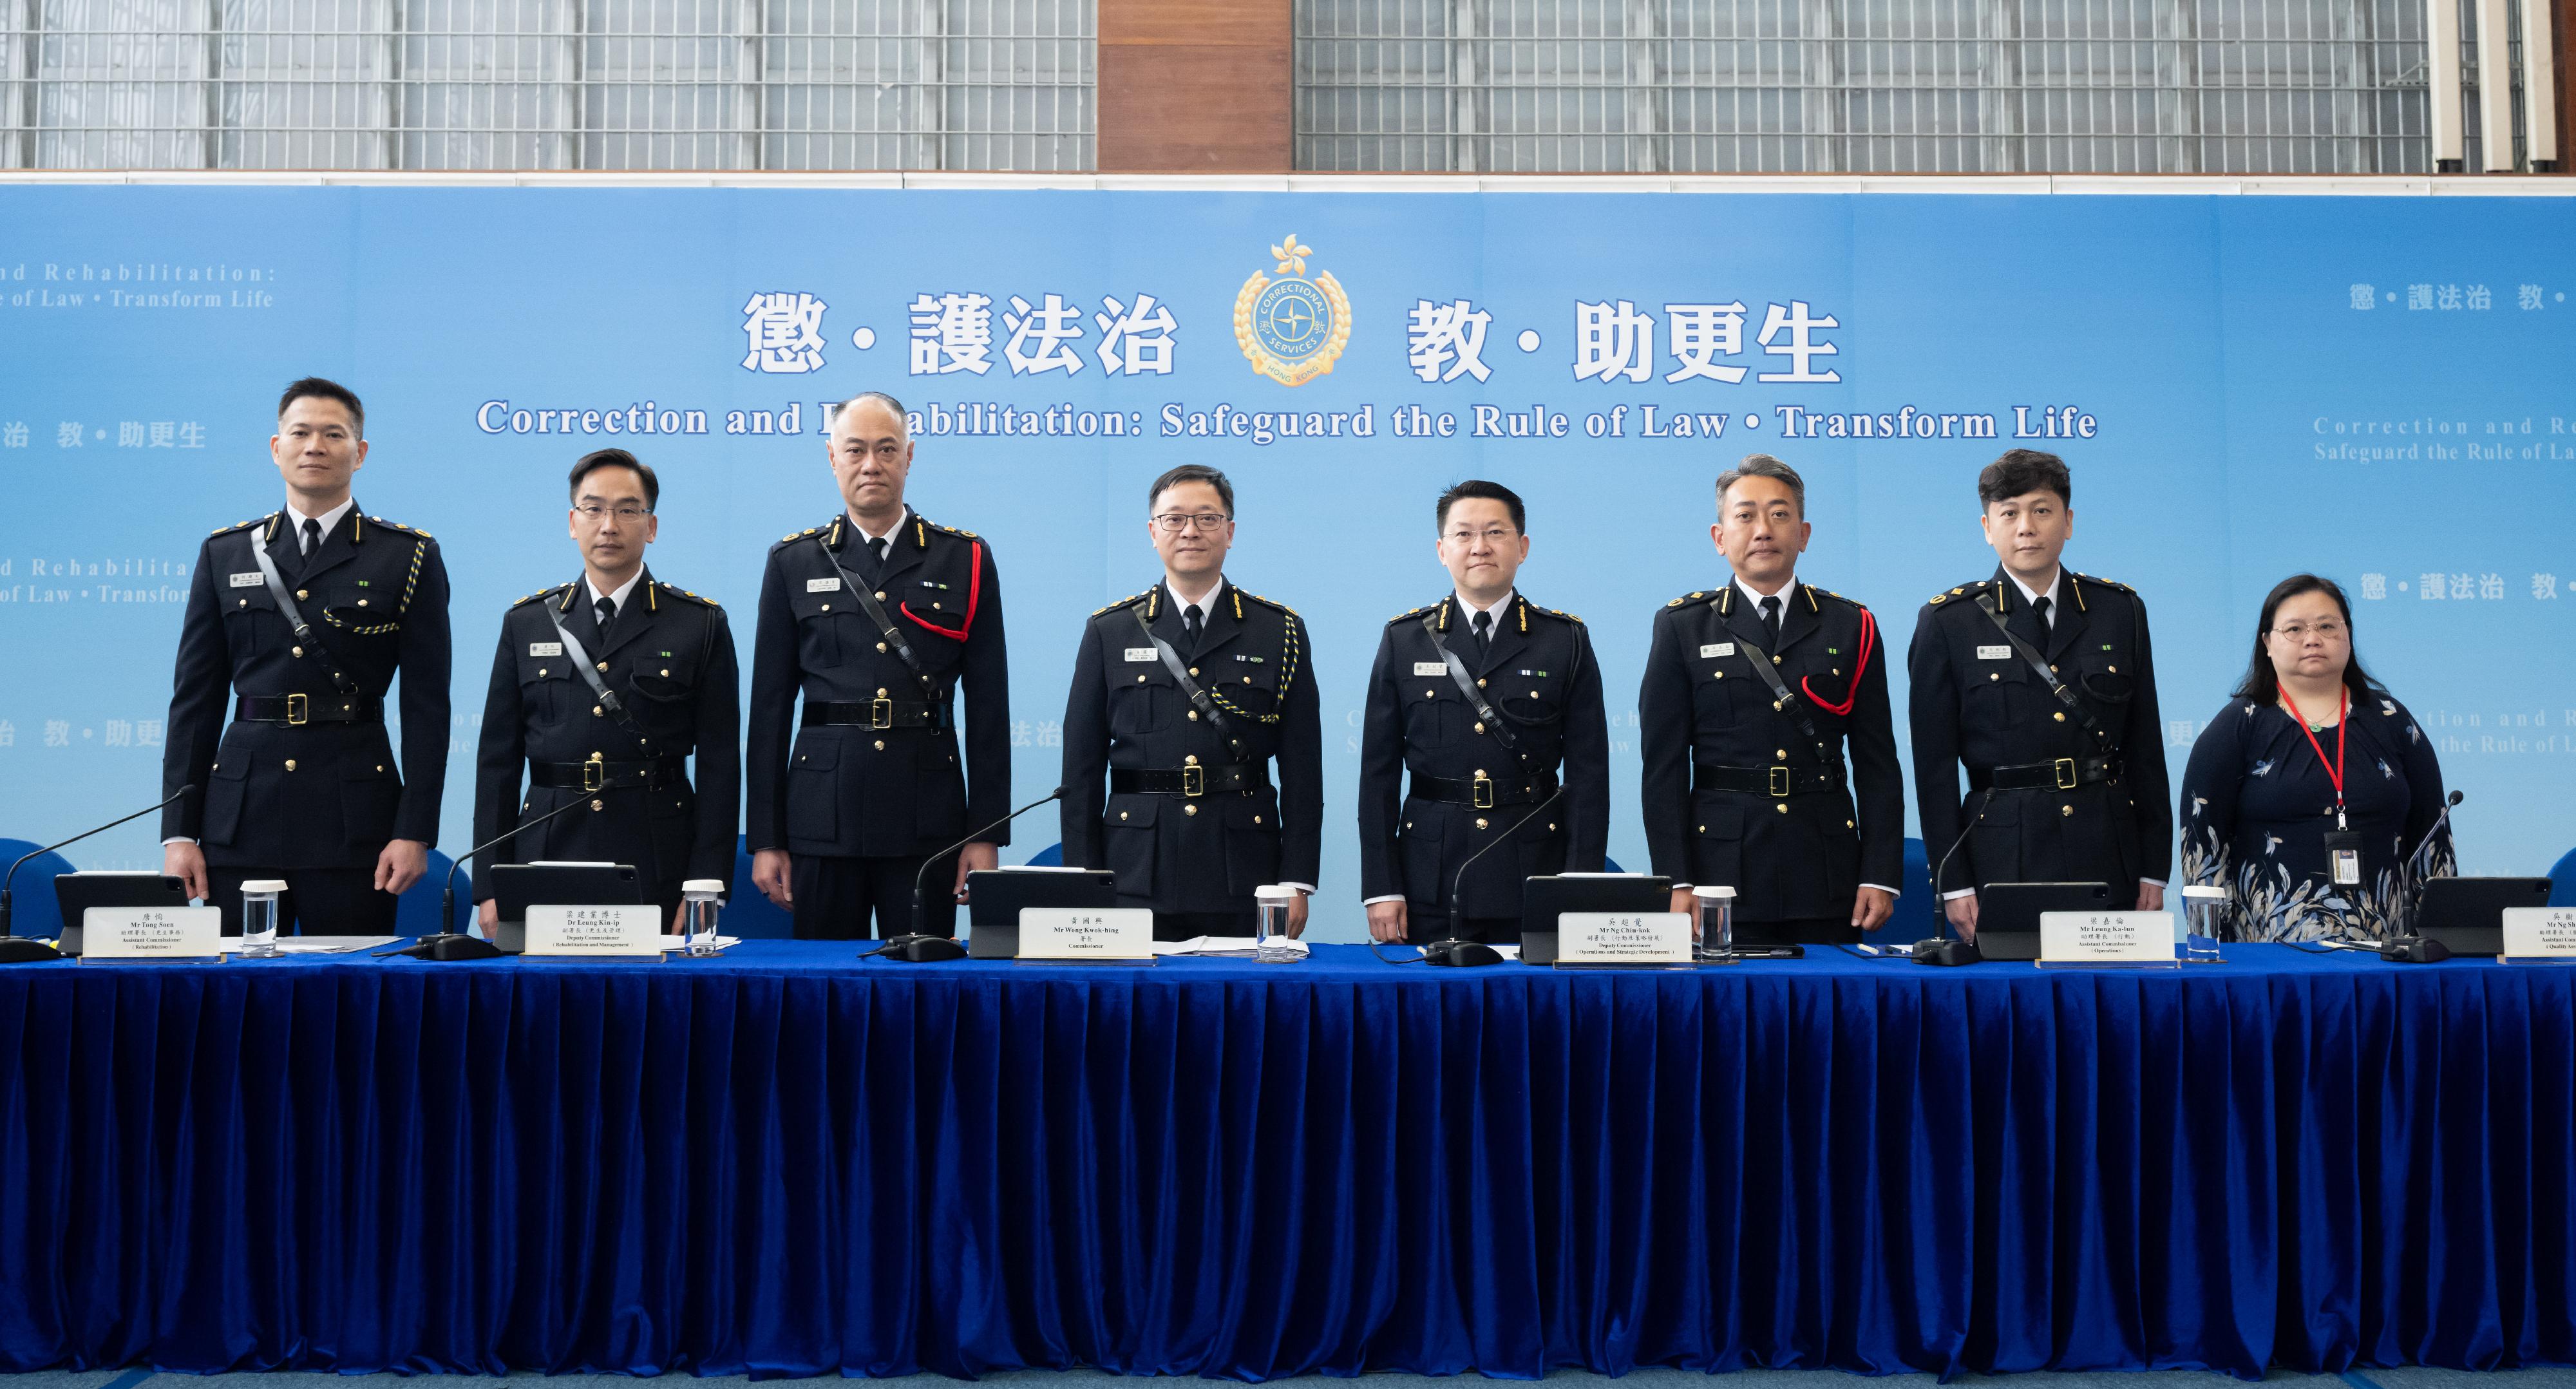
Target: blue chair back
{"type": "Point", "coordinates": [416, 912]}
{"type": "Point", "coordinates": [33, 911]}
{"type": "Point", "coordinates": [2562, 881]}
{"type": "Point", "coordinates": [1052, 856]}
{"type": "Point", "coordinates": [747, 913]}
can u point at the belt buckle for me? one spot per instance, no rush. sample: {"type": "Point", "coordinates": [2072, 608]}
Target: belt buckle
{"type": "Point", "coordinates": [1483, 795]}
{"type": "Point", "coordinates": [594, 774]}
{"type": "Point", "coordinates": [1779, 781]}
{"type": "Point", "coordinates": [2064, 768]}
{"type": "Point", "coordinates": [1194, 780]}
{"type": "Point", "coordinates": [880, 714]}
{"type": "Point", "coordinates": [299, 710]}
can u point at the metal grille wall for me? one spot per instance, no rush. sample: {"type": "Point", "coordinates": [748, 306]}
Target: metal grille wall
{"type": "Point", "coordinates": [1895, 86]}
{"type": "Point", "coordinates": [547, 84]}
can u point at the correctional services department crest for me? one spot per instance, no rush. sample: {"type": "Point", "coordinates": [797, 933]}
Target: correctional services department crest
{"type": "Point", "coordinates": [1292, 328]}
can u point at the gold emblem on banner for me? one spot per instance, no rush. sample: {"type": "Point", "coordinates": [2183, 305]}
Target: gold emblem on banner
{"type": "Point", "coordinates": [1292, 328]}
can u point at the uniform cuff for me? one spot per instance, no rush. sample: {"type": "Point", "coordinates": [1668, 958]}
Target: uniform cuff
{"type": "Point", "coordinates": [2157, 883]}
{"type": "Point", "coordinates": [1373, 901]}
{"type": "Point", "coordinates": [1955, 896]}
{"type": "Point", "coordinates": [1306, 888]}
{"type": "Point", "coordinates": [1892, 892]}
{"type": "Point", "coordinates": [178, 839]}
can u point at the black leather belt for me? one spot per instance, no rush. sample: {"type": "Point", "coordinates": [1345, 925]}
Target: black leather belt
{"type": "Point", "coordinates": [2064, 774]}
{"type": "Point", "coordinates": [1243, 777]}
{"type": "Point", "coordinates": [1484, 793]}
{"type": "Point", "coordinates": [652, 775]}
{"type": "Point", "coordinates": [298, 710]}
{"type": "Point", "coordinates": [1766, 781]}
{"type": "Point", "coordinates": [878, 713]}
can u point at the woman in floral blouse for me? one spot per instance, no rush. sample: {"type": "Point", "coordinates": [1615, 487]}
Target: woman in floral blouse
{"type": "Point", "coordinates": [2312, 756]}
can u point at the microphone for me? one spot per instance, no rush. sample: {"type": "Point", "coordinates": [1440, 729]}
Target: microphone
{"type": "Point", "coordinates": [918, 945]}
{"type": "Point", "coordinates": [1952, 950]}
{"type": "Point", "coordinates": [14, 951]}
{"type": "Point", "coordinates": [2438, 821]}
{"type": "Point", "coordinates": [456, 945]}
{"type": "Point", "coordinates": [1453, 951]}
{"type": "Point", "coordinates": [2415, 898]}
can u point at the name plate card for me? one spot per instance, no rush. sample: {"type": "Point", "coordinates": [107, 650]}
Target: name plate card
{"type": "Point", "coordinates": [2540, 933]}
{"type": "Point", "coordinates": [152, 933]}
{"type": "Point", "coordinates": [630, 931]}
{"type": "Point", "coordinates": [1623, 938]}
{"type": "Point", "coordinates": [1087, 933]}
{"type": "Point", "coordinates": [2106, 938]}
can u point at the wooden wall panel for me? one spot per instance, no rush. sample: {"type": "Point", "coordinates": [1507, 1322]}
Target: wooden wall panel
{"type": "Point", "coordinates": [1196, 86]}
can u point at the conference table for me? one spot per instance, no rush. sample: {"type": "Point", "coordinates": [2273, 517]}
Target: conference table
{"type": "Point", "coordinates": [788, 1160]}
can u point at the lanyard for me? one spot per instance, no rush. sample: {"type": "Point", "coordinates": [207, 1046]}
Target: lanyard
{"type": "Point", "coordinates": [2343, 720]}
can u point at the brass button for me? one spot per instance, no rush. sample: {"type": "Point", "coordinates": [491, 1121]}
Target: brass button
{"type": "Point", "coordinates": [2066, 810]}
{"type": "Point", "coordinates": [1533, 694]}
{"type": "Point", "coordinates": [302, 594]}
{"type": "Point", "coordinates": [1480, 772]}
{"type": "Point", "coordinates": [298, 650]}
{"type": "Point", "coordinates": [2060, 716]}
{"type": "Point", "coordinates": [666, 670]}
{"type": "Point", "coordinates": [828, 607]}
{"type": "Point", "coordinates": [1781, 806]}
{"type": "Point", "coordinates": [1426, 694]}
{"type": "Point", "coordinates": [245, 602]}
{"type": "Point", "coordinates": [880, 744]}
{"type": "Point", "coordinates": [934, 607]}
{"type": "Point", "coordinates": [1256, 819]}
{"type": "Point", "coordinates": [362, 602]}
{"type": "Point", "coordinates": [881, 692]}
{"type": "Point", "coordinates": [1194, 716]}
{"type": "Point", "coordinates": [1194, 670]}
{"type": "Point", "coordinates": [1480, 822]}
{"type": "Point", "coordinates": [598, 805]}
{"type": "Point", "coordinates": [880, 595]}
{"type": "Point", "coordinates": [1189, 810]}
{"type": "Point", "coordinates": [2052, 670]}
{"type": "Point", "coordinates": [880, 648]}
{"type": "Point", "coordinates": [1702, 829]}
{"type": "Point", "coordinates": [2113, 669]}
{"type": "Point", "coordinates": [1849, 825]}
{"type": "Point", "coordinates": [290, 764]}
{"type": "Point", "coordinates": [541, 670]}
{"type": "Point", "coordinates": [1122, 815]}
{"type": "Point", "coordinates": [1480, 684]}
{"type": "Point", "coordinates": [1775, 660]}
{"type": "Point", "coordinates": [1139, 679]}
{"type": "Point", "coordinates": [1775, 706]}
{"type": "Point", "coordinates": [1480, 728]}
{"type": "Point", "coordinates": [1551, 829]}
{"type": "Point", "coordinates": [1720, 674]}
{"type": "Point", "coordinates": [380, 766]}
{"type": "Point", "coordinates": [595, 711]}
{"type": "Point", "coordinates": [1192, 759]}
{"type": "Point", "coordinates": [1993, 676]}
{"type": "Point", "coordinates": [603, 665]}
{"type": "Point", "coordinates": [1781, 753]}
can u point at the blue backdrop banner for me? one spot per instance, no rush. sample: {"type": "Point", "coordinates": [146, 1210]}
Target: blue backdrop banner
{"type": "Point", "coordinates": [2245, 387]}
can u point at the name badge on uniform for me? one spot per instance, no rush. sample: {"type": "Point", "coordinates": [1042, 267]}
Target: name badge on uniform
{"type": "Point", "coordinates": [1718, 648]}
{"type": "Point", "coordinates": [1142, 653]}
{"type": "Point", "coordinates": [1994, 653]}
{"type": "Point", "coordinates": [1431, 668]}
{"type": "Point", "coordinates": [545, 648]}
{"type": "Point", "coordinates": [249, 580]}
{"type": "Point", "coordinates": [822, 585]}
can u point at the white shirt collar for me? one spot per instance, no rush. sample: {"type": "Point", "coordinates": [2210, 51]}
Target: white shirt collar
{"type": "Point", "coordinates": [1755, 596]}
{"type": "Point", "coordinates": [889, 531]}
{"type": "Point", "coordinates": [1467, 611]}
{"type": "Point", "coordinates": [618, 597]}
{"type": "Point", "coordinates": [327, 520]}
{"type": "Point", "coordinates": [2032, 596]}
{"type": "Point", "coordinates": [1206, 605]}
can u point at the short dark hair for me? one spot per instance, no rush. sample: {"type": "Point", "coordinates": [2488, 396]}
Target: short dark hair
{"type": "Point", "coordinates": [1763, 465]}
{"type": "Point", "coordinates": [312, 386]}
{"type": "Point", "coordinates": [1490, 491]}
{"type": "Point", "coordinates": [1192, 472]}
{"type": "Point", "coordinates": [2262, 683]}
{"type": "Point", "coordinates": [2023, 471]}
{"type": "Point", "coordinates": [597, 459]}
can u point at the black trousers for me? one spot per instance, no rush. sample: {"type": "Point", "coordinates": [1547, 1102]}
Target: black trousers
{"type": "Point", "coordinates": [1821, 930]}
{"type": "Point", "coordinates": [836, 896]}
{"type": "Point", "coordinates": [317, 901]}
{"type": "Point", "coordinates": [1192, 925]}
{"type": "Point", "coordinates": [1422, 928]}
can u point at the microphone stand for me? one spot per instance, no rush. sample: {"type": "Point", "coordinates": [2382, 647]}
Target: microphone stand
{"type": "Point", "coordinates": [1453, 951]}
{"type": "Point", "coordinates": [1952, 950]}
{"type": "Point", "coordinates": [14, 951]}
{"type": "Point", "coordinates": [918, 946]}
{"type": "Point", "coordinates": [454, 944]}
{"type": "Point", "coordinates": [2410, 946]}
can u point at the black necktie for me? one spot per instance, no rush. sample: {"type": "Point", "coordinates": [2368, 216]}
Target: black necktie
{"type": "Point", "coordinates": [1484, 632]}
{"type": "Point", "coordinates": [879, 546]}
{"type": "Point", "coordinates": [2041, 607]}
{"type": "Point", "coordinates": [1190, 627]}
{"type": "Point", "coordinates": [604, 612]}
{"type": "Point", "coordinates": [1771, 620]}
{"type": "Point", "coordinates": [312, 537]}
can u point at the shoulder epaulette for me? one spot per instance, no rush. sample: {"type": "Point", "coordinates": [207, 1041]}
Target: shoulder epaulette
{"type": "Point", "coordinates": [1409, 616]}
{"type": "Point", "coordinates": [1812, 591]}
{"type": "Point", "coordinates": [934, 525]}
{"type": "Point", "coordinates": [2106, 583]}
{"type": "Point", "coordinates": [1691, 597]}
{"type": "Point", "coordinates": [1962, 591]}
{"type": "Point", "coordinates": [1267, 602]}
{"type": "Point", "coordinates": [540, 593]}
{"type": "Point", "coordinates": [399, 526]}
{"type": "Point", "coordinates": [1129, 601]}
{"type": "Point", "coordinates": [1560, 612]}
{"type": "Point", "coordinates": [793, 536]}
{"type": "Point", "coordinates": [240, 526]}
{"type": "Point", "coordinates": [678, 591]}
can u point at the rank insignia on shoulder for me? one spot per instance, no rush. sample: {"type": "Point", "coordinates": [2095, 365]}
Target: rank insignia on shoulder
{"type": "Point", "coordinates": [1677, 602]}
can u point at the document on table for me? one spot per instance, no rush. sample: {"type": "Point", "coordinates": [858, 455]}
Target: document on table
{"type": "Point", "coordinates": [325, 945]}
{"type": "Point", "coordinates": [1513, 952]}
{"type": "Point", "coordinates": [678, 944]}
{"type": "Point", "coordinates": [1225, 947]}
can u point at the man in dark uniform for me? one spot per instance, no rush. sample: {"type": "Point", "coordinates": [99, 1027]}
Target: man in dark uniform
{"type": "Point", "coordinates": [1753, 693]}
{"type": "Point", "coordinates": [2041, 682]}
{"type": "Point", "coordinates": [307, 615]}
{"type": "Point", "coordinates": [1182, 697]}
{"type": "Point", "coordinates": [601, 690]}
{"type": "Point", "coordinates": [875, 617]}
{"type": "Point", "coordinates": [1484, 739]}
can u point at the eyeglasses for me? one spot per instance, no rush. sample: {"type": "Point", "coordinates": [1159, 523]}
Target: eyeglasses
{"type": "Point", "coordinates": [2327, 630]}
{"type": "Point", "coordinates": [595, 513]}
{"type": "Point", "coordinates": [1173, 523]}
{"type": "Point", "coordinates": [1491, 535]}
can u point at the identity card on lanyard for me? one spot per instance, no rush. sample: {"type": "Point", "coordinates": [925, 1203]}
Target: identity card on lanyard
{"type": "Point", "coordinates": [2343, 847]}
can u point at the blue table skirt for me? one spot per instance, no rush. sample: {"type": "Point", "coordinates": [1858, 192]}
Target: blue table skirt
{"type": "Point", "coordinates": [789, 1161]}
